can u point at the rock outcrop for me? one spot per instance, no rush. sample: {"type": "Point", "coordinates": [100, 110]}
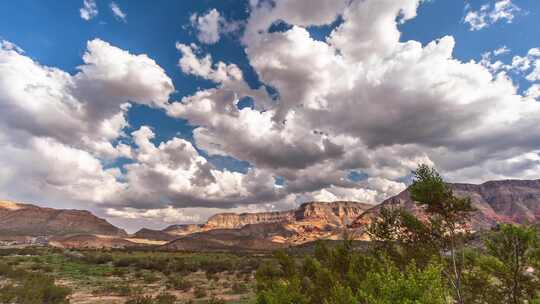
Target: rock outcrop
{"type": "Point", "coordinates": [235, 221]}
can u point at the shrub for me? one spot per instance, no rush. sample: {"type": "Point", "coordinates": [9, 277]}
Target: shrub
{"type": "Point", "coordinates": [140, 299]}
{"type": "Point", "coordinates": [123, 262]}
{"type": "Point", "coordinates": [149, 277]}
{"type": "Point", "coordinates": [5, 269]}
{"type": "Point", "coordinates": [239, 288]}
{"type": "Point", "coordinates": [214, 300]}
{"type": "Point", "coordinates": [98, 258]}
{"type": "Point", "coordinates": [199, 292]}
{"type": "Point", "coordinates": [119, 272]}
{"type": "Point", "coordinates": [36, 289]}
{"type": "Point", "coordinates": [179, 283]}
{"type": "Point", "coordinates": [165, 298]}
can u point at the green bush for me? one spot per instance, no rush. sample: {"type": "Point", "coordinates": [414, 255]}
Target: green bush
{"type": "Point", "coordinates": [215, 301]}
{"type": "Point", "coordinates": [35, 289]}
{"type": "Point", "coordinates": [97, 258]}
{"type": "Point", "coordinates": [163, 298]}
{"type": "Point", "coordinates": [140, 299]}
{"type": "Point", "coordinates": [179, 283]}
{"type": "Point", "coordinates": [239, 288]}
{"type": "Point", "coordinates": [200, 292]}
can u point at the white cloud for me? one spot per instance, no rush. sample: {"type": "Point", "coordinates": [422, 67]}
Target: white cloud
{"type": "Point", "coordinates": [396, 103]}
{"type": "Point", "coordinates": [501, 10]}
{"type": "Point", "coordinates": [67, 123]}
{"type": "Point", "coordinates": [208, 26]}
{"type": "Point", "coordinates": [529, 65]}
{"type": "Point", "coordinates": [501, 51]}
{"type": "Point", "coordinates": [533, 91]}
{"type": "Point", "coordinates": [117, 12]}
{"type": "Point", "coordinates": [211, 26]}
{"type": "Point", "coordinates": [89, 10]}
{"type": "Point", "coordinates": [167, 215]}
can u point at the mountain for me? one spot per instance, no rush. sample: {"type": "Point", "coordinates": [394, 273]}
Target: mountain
{"type": "Point", "coordinates": [272, 230]}
{"type": "Point", "coordinates": [17, 219]}
{"type": "Point", "coordinates": [504, 201]}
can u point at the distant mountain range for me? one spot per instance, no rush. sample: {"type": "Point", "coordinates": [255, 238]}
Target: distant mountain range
{"type": "Point", "coordinates": [507, 201]}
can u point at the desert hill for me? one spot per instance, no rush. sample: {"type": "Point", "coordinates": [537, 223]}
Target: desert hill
{"type": "Point", "coordinates": [17, 219]}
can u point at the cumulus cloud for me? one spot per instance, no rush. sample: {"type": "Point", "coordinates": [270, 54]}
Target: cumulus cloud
{"type": "Point", "coordinates": [89, 10]}
{"type": "Point", "coordinates": [363, 91]}
{"type": "Point", "coordinates": [117, 12]}
{"type": "Point", "coordinates": [533, 91]}
{"type": "Point", "coordinates": [501, 10]}
{"type": "Point", "coordinates": [66, 124]}
{"type": "Point", "coordinates": [211, 26]}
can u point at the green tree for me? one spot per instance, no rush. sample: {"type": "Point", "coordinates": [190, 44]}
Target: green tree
{"type": "Point", "coordinates": [512, 250]}
{"type": "Point", "coordinates": [442, 234]}
{"type": "Point", "coordinates": [448, 216]}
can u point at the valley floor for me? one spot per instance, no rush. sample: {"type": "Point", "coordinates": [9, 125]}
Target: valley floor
{"type": "Point", "coordinates": [124, 277]}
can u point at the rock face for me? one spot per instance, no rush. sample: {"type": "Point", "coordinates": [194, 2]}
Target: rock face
{"type": "Point", "coordinates": [183, 229]}
{"type": "Point", "coordinates": [235, 221]}
{"type": "Point", "coordinates": [30, 220]}
{"type": "Point", "coordinates": [505, 201]}
{"type": "Point", "coordinates": [333, 214]}
{"type": "Point", "coordinates": [271, 230]}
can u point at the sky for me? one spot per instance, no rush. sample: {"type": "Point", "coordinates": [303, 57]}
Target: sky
{"type": "Point", "coordinates": [152, 113]}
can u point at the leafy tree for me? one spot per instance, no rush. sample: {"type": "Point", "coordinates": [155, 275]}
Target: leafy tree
{"type": "Point", "coordinates": [443, 232]}
{"type": "Point", "coordinates": [512, 250]}
{"type": "Point", "coordinates": [448, 217]}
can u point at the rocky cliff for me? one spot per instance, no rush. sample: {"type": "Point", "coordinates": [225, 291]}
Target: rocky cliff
{"type": "Point", "coordinates": [233, 220]}
{"type": "Point", "coordinates": [272, 230]}
{"type": "Point", "coordinates": [338, 213]}
{"type": "Point", "coordinates": [308, 222]}
{"type": "Point", "coordinates": [30, 220]}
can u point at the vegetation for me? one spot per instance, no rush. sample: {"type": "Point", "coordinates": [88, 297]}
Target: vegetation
{"type": "Point", "coordinates": [130, 276]}
{"type": "Point", "coordinates": [434, 258]}
{"type": "Point", "coordinates": [30, 288]}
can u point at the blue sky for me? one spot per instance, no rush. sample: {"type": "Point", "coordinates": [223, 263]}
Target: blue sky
{"type": "Point", "coordinates": [293, 132]}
